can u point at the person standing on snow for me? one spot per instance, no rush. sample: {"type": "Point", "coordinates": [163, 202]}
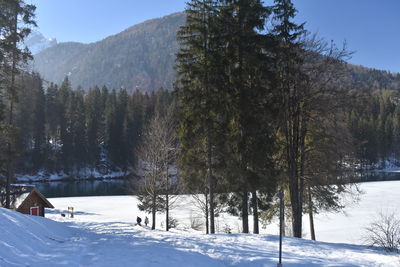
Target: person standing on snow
{"type": "Point", "coordinates": [138, 220]}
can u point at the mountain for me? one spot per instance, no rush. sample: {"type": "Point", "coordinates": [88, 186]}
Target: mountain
{"type": "Point", "coordinates": [141, 57]}
{"type": "Point", "coordinates": [36, 42]}
{"type": "Point", "coordinates": [373, 79]}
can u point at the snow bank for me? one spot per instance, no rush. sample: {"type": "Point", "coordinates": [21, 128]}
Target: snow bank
{"type": "Point", "coordinates": [34, 241]}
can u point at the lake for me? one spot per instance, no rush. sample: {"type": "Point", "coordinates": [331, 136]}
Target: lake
{"type": "Point", "coordinates": [86, 188]}
{"type": "Point", "coordinates": [115, 187]}
{"type": "Point", "coordinates": [380, 176]}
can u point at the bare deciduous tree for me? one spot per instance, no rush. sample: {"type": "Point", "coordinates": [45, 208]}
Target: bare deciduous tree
{"type": "Point", "coordinates": [156, 155]}
{"type": "Point", "coordinates": [384, 232]}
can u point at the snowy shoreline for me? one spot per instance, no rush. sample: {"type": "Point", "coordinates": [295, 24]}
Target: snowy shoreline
{"type": "Point", "coordinates": [42, 177]}
{"type": "Point", "coordinates": [20, 181]}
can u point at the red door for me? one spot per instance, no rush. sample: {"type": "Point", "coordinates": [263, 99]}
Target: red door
{"type": "Point", "coordinates": [35, 211]}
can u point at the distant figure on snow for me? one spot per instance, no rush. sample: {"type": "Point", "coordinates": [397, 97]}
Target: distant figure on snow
{"type": "Point", "coordinates": [146, 221]}
{"type": "Point", "coordinates": [138, 220]}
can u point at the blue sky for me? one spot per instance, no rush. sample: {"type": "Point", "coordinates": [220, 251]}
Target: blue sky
{"type": "Point", "coordinates": [370, 27]}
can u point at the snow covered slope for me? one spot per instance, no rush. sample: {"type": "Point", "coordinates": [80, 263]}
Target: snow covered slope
{"type": "Point", "coordinates": [33, 241]}
{"type": "Point", "coordinates": [102, 233]}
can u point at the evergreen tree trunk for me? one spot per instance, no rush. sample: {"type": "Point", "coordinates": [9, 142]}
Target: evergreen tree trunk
{"type": "Point", "coordinates": [245, 211]}
{"type": "Point", "coordinates": [254, 200]}
{"type": "Point", "coordinates": [311, 213]}
{"type": "Point", "coordinates": [206, 214]}
{"type": "Point", "coordinates": [167, 203]}
{"type": "Point", "coordinates": [9, 175]}
{"type": "Point", "coordinates": [210, 185]}
{"type": "Point", "coordinates": [10, 158]}
{"type": "Point", "coordinates": [288, 71]}
{"type": "Point", "coordinates": [296, 210]}
{"type": "Point", "coordinates": [153, 213]}
{"type": "Point", "coordinates": [292, 133]}
{"type": "Point", "coordinates": [295, 201]}
{"type": "Point", "coordinates": [302, 148]}
{"type": "Point", "coordinates": [283, 220]}
{"type": "Point", "coordinates": [167, 214]}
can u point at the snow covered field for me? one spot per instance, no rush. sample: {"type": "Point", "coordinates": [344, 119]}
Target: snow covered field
{"type": "Point", "coordinates": [102, 233]}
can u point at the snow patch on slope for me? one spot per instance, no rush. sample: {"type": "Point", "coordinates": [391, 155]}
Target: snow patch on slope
{"type": "Point", "coordinates": [36, 42]}
{"type": "Point", "coordinates": [36, 241]}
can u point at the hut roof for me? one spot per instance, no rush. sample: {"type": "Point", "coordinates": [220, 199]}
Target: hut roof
{"type": "Point", "coordinates": [18, 200]}
{"type": "Point", "coordinates": [21, 198]}
{"type": "Point", "coordinates": [35, 191]}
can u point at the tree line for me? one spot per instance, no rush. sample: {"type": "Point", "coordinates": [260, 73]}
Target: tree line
{"type": "Point", "coordinates": [61, 130]}
{"type": "Point", "coordinates": [374, 122]}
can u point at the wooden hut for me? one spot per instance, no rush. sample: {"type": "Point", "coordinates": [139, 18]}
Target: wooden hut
{"type": "Point", "coordinates": [32, 202]}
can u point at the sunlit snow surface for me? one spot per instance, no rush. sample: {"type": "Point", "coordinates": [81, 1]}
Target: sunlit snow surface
{"type": "Point", "coordinates": [102, 233]}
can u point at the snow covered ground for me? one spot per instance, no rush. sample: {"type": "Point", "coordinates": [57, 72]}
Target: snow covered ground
{"type": "Point", "coordinates": [102, 233]}
{"type": "Point", "coordinates": [348, 225]}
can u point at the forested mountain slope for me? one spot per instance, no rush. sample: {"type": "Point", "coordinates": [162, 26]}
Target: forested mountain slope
{"type": "Point", "coordinates": [141, 57]}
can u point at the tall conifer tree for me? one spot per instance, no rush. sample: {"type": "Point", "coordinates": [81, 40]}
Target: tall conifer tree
{"type": "Point", "coordinates": [94, 117]}
{"type": "Point", "coordinates": [199, 90]}
{"type": "Point", "coordinates": [288, 71]}
{"type": "Point", "coordinates": [249, 94]}
{"type": "Point", "coordinates": [65, 110]}
{"type": "Point", "coordinates": [16, 18]}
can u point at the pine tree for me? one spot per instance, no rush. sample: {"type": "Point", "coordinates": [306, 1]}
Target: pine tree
{"type": "Point", "coordinates": [288, 71]}
{"type": "Point", "coordinates": [16, 18]}
{"type": "Point", "coordinates": [309, 72]}
{"type": "Point", "coordinates": [249, 94]}
{"type": "Point", "coordinates": [52, 113]}
{"type": "Point", "coordinates": [198, 89]}
{"type": "Point", "coordinates": [2, 136]}
{"type": "Point", "coordinates": [38, 123]}
{"type": "Point", "coordinates": [65, 111]}
{"type": "Point", "coordinates": [78, 130]}
{"type": "Point", "coordinates": [123, 150]}
{"type": "Point", "coordinates": [52, 126]}
{"type": "Point", "coordinates": [94, 121]}
{"type": "Point", "coordinates": [111, 128]}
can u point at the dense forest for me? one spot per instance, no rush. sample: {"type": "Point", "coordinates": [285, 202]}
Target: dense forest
{"type": "Point", "coordinates": [76, 132]}
{"type": "Point", "coordinates": [374, 122]}
{"type": "Point", "coordinates": [253, 112]}
{"type": "Point", "coordinates": [66, 130]}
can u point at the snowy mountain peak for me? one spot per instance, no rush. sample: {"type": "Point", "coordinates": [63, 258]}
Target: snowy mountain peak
{"type": "Point", "coordinates": [37, 42]}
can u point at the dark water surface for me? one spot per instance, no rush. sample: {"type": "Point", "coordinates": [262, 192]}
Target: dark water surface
{"type": "Point", "coordinates": [86, 188]}
{"type": "Point", "coordinates": [123, 187]}
{"type": "Point", "coordinates": [380, 176]}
